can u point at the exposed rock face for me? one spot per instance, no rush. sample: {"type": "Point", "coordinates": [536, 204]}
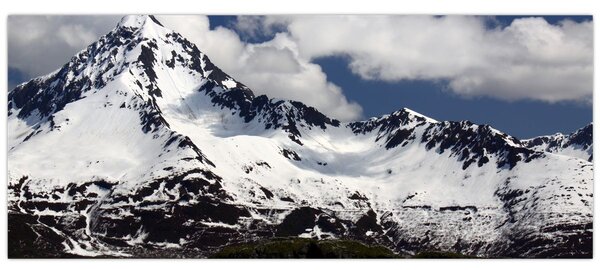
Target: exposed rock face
{"type": "Point", "coordinates": [140, 146]}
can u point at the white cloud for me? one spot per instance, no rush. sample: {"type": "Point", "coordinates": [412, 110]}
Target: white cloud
{"type": "Point", "coordinates": [38, 45]}
{"type": "Point", "coordinates": [259, 26]}
{"type": "Point", "coordinates": [270, 59]}
{"type": "Point", "coordinates": [251, 26]}
{"type": "Point", "coordinates": [76, 35]}
{"type": "Point", "coordinates": [273, 68]}
{"type": "Point", "coordinates": [529, 59]}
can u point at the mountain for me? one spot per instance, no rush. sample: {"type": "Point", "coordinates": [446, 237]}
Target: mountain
{"type": "Point", "coordinates": [578, 144]}
{"type": "Point", "coordinates": [140, 146]}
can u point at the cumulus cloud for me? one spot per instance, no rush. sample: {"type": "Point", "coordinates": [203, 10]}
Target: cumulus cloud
{"type": "Point", "coordinates": [38, 45]}
{"type": "Point", "coordinates": [273, 68]}
{"type": "Point", "coordinates": [528, 59]}
{"type": "Point", "coordinates": [259, 27]}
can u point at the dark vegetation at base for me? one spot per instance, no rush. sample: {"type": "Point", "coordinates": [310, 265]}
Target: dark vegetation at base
{"type": "Point", "coordinates": [441, 255]}
{"type": "Point", "coordinates": [304, 248]}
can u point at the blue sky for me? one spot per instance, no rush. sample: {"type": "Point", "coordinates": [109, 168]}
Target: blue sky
{"type": "Point", "coordinates": [522, 117]}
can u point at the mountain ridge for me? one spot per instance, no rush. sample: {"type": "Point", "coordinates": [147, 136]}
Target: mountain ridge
{"type": "Point", "coordinates": [576, 144]}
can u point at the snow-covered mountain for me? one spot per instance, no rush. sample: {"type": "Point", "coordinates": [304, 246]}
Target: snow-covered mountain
{"type": "Point", "coordinates": [140, 146]}
{"type": "Point", "coordinates": [578, 144]}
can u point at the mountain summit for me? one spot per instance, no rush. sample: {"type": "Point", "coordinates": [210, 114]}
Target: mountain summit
{"type": "Point", "coordinates": [141, 146]}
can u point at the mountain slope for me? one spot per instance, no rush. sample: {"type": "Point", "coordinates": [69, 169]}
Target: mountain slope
{"type": "Point", "coordinates": [140, 146]}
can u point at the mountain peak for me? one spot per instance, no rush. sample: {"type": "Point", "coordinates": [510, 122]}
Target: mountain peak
{"type": "Point", "coordinates": [138, 21]}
